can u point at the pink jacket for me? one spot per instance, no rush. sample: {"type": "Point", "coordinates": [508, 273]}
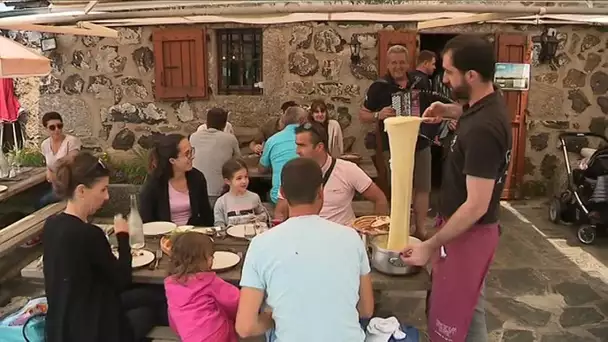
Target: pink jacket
{"type": "Point", "coordinates": [203, 308]}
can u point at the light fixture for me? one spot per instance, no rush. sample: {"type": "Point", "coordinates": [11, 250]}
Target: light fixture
{"type": "Point", "coordinates": [548, 46]}
{"type": "Point", "coordinates": [355, 50]}
{"type": "Point", "coordinates": [48, 44]}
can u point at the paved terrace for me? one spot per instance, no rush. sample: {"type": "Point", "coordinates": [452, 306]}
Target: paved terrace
{"type": "Point", "coordinates": [543, 285]}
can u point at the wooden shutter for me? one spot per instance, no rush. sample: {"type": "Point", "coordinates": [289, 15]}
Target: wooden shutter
{"type": "Point", "coordinates": [181, 68]}
{"type": "Point", "coordinates": [514, 48]}
{"type": "Point", "coordinates": [386, 39]}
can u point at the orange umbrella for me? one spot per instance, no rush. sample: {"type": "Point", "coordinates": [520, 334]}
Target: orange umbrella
{"type": "Point", "coordinates": [18, 61]}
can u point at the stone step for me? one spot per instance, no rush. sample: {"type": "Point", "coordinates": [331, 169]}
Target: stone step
{"type": "Point", "coordinates": [165, 334]}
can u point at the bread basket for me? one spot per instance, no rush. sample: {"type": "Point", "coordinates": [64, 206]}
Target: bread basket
{"type": "Point", "coordinates": [351, 157]}
{"type": "Point", "coordinates": [371, 225]}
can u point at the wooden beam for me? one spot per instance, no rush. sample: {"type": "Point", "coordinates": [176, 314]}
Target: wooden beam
{"type": "Point", "coordinates": [90, 6]}
{"type": "Point", "coordinates": [465, 20]}
{"type": "Point", "coordinates": [98, 28]}
{"type": "Point", "coordinates": [74, 30]}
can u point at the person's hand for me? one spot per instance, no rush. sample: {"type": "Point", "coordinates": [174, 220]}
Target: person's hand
{"type": "Point", "coordinates": [417, 254]}
{"type": "Point", "coordinates": [386, 112]}
{"type": "Point", "coordinates": [120, 225]}
{"type": "Point", "coordinates": [258, 148]}
{"type": "Point", "coordinates": [434, 113]}
{"type": "Point", "coordinates": [452, 124]}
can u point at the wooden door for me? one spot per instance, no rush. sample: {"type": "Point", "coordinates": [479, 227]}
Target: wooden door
{"type": "Point", "coordinates": [514, 48]}
{"type": "Point", "coordinates": [386, 39]}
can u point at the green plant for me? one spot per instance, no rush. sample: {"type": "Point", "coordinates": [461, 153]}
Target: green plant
{"type": "Point", "coordinates": [31, 157]}
{"type": "Point", "coordinates": [128, 171]}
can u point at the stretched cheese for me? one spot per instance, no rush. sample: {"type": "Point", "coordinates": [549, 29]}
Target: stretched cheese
{"type": "Point", "coordinates": [402, 136]}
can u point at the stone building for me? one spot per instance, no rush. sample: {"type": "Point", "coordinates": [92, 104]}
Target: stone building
{"type": "Point", "coordinates": [109, 92]}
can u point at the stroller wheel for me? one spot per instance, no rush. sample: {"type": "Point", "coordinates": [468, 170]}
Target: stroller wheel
{"type": "Point", "coordinates": [555, 210]}
{"type": "Point", "coordinates": [586, 234]}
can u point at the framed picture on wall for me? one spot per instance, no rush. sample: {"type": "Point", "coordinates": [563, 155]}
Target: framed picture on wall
{"type": "Point", "coordinates": [512, 76]}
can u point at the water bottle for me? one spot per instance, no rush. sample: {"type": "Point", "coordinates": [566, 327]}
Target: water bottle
{"type": "Point", "coordinates": [136, 226]}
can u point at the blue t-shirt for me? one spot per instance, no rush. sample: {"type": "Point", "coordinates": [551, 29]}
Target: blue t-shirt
{"type": "Point", "coordinates": [278, 150]}
{"type": "Point", "coordinates": [310, 270]}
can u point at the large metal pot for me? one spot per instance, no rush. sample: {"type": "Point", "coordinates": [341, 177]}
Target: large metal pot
{"type": "Point", "coordinates": [387, 261]}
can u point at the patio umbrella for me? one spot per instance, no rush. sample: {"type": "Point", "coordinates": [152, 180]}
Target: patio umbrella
{"type": "Point", "coordinates": [18, 61]}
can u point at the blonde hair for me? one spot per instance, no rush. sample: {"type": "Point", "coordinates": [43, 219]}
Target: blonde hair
{"type": "Point", "coordinates": [397, 49]}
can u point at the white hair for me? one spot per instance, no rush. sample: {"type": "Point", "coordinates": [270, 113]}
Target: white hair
{"type": "Point", "coordinates": [398, 49]}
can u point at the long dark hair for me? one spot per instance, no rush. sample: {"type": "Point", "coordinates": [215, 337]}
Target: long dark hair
{"type": "Point", "coordinates": [320, 105]}
{"type": "Point", "coordinates": [84, 168]}
{"type": "Point", "coordinates": [230, 168]}
{"type": "Point", "coordinates": [166, 148]}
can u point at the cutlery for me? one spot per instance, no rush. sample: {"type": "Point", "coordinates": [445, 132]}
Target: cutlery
{"type": "Point", "coordinates": [159, 255]}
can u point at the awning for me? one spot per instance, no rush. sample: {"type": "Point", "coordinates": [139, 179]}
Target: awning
{"type": "Point", "coordinates": [18, 61]}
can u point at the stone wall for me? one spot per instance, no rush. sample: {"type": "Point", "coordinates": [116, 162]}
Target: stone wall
{"type": "Point", "coordinates": [105, 87]}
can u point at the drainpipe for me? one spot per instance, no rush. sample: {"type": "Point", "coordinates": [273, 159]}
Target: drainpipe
{"type": "Point", "coordinates": [287, 9]}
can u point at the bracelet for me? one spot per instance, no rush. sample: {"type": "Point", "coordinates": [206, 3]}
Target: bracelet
{"type": "Point", "coordinates": [376, 115]}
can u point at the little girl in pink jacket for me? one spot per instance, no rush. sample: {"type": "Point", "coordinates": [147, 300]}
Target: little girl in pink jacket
{"type": "Point", "coordinates": [202, 306]}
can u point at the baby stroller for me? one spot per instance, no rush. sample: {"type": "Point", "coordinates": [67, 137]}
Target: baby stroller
{"type": "Point", "coordinates": [584, 203]}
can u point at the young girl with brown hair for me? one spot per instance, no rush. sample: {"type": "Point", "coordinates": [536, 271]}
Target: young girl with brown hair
{"type": "Point", "coordinates": [237, 205]}
{"type": "Point", "coordinates": [202, 306]}
{"type": "Point", "coordinates": [319, 113]}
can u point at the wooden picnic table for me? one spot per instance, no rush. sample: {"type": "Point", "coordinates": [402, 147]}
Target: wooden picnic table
{"type": "Point", "coordinates": [28, 178]}
{"type": "Point", "coordinates": [367, 166]}
{"type": "Point", "coordinates": [144, 275]}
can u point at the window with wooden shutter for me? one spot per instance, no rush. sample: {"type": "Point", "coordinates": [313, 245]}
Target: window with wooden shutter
{"type": "Point", "coordinates": [181, 68]}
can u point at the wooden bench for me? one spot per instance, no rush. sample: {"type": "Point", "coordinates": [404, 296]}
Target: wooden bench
{"type": "Point", "coordinates": [165, 334]}
{"type": "Point", "coordinates": [27, 228]}
{"type": "Point", "coordinates": [361, 208]}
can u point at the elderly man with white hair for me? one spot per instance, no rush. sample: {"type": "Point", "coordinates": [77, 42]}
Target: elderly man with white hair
{"type": "Point", "coordinates": [281, 147]}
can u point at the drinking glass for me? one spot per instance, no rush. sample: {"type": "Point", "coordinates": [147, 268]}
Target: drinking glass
{"type": "Point", "coordinates": [249, 231]}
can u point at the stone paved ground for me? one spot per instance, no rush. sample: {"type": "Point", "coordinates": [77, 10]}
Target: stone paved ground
{"type": "Point", "coordinates": [542, 287]}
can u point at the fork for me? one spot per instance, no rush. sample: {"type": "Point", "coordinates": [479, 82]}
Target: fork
{"type": "Point", "coordinates": [159, 255]}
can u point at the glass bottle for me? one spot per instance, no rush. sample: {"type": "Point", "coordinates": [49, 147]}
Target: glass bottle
{"type": "Point", "coordinates": [136, 226]}
{"type": "Point", "coordinates": [4, 166]}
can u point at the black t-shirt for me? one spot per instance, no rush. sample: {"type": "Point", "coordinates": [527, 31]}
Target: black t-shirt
{"type": "Point", "coordinates": [481, 147]}
{"type": "Point", "coordinates": [379, 95]}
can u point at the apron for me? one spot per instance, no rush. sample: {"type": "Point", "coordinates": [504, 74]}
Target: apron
{"type": "Point", "coordinates": [457, 280]}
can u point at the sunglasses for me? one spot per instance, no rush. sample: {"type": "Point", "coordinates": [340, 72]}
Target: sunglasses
{"type": "Point", "coordinates": [54, 127]}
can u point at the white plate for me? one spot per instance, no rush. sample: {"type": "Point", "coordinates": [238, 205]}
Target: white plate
{"type": "Point", "coordinates": [144, 259]}
{"type": "Point", "coordinates": [205, 230]}
{"type": "Point", "coordinates": [238, 231]}
{"type": "Point", "coordinates": [158, 228]}
{"type": "Point", "coordinates": [3, 188]}
{"type": "Point", "coordinates": [223, 260]}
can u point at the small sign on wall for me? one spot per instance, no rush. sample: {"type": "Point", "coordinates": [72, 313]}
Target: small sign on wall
{"type": "Point", "coordinates": [512, 76]}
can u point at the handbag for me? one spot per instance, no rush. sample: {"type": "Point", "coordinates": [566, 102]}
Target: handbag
{"type": "Point", "coordinates": [27, 324]}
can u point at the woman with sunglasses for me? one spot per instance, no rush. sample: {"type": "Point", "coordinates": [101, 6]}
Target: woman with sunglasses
{"type": "Point", "coordinates": [318, 113]}
{"type": "Point", "coordinates": [175, 191]}
{"type": "Point", "coordinates": [57, 146]}
{"type": "Point", "coordinates": [88, 288]}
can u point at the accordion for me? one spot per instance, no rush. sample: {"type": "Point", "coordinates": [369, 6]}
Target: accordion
{"type": "Point", "coordinates": [411, 102]}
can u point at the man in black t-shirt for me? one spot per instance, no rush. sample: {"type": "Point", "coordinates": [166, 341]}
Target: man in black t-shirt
{"type": "Point", "coordinates": [377, 107]}
{"type": "Point", "coordinates": [473, 180]}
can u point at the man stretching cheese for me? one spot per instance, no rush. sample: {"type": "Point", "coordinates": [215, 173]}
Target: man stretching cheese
{"type": "Point", "coordinates": [474, 175]}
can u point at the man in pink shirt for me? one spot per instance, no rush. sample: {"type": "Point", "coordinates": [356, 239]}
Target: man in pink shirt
{"type": "Point", "coordinates": [341, 179]}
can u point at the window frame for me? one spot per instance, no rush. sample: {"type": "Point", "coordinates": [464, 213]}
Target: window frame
{"type": "Point", "coordinates": [257, 46]}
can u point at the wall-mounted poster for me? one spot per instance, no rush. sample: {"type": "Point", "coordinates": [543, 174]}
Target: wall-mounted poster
{"type": "Point", "coordinates": [512, 76]}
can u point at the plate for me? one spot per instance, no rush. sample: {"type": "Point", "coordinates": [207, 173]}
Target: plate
{"type": "Point", "coordinates": [141, 257]}
{"type": "Point", "coordinates": [206, 230]}
{"type": "Point", "coordinates": [223, 260]}
{"type": "Point", "coordinates": [158, 228]}
{"type": "Point", "coordinates": [238, 231]}
{"type": "Point", "coordinates": [3, 188]}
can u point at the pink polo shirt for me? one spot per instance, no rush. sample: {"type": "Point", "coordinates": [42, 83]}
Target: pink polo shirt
{"type": "Point", "coordinates": [345, 180]}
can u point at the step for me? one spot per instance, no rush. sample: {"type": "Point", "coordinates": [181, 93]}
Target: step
{"type": "Point", "coordinates": [361, 208]}
{"type": "Point", "coordinates": [165, 334]}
